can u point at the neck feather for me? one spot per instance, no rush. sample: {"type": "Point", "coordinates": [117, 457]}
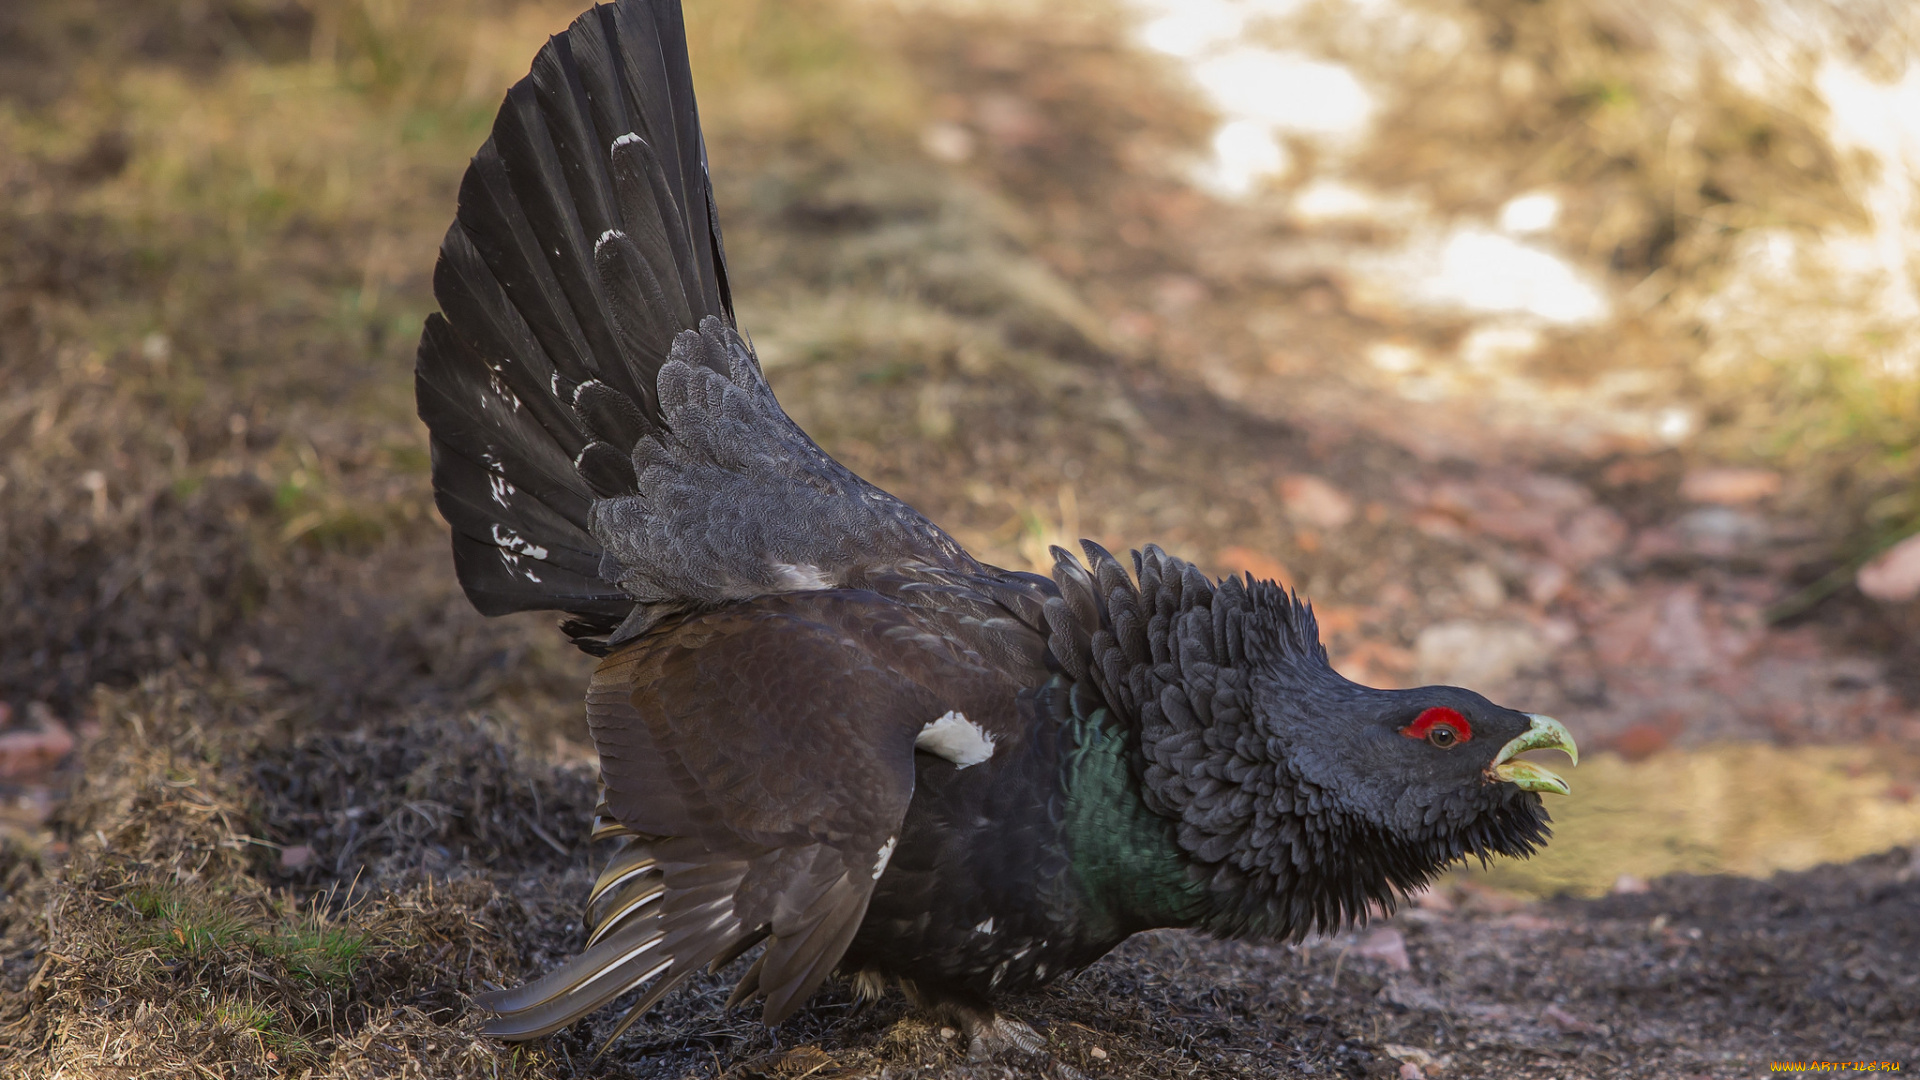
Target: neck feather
{"type": "Point", "coordinates": [1229, 836]}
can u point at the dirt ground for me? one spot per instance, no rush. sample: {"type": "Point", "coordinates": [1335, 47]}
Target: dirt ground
{"type": "Point", "coordinates": [274, 801]}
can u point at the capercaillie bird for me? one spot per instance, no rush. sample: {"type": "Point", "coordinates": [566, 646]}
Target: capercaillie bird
{"type": "Point", "coordinates": [824, 728]}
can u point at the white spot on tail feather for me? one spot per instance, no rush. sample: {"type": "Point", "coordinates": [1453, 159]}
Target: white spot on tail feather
{"type": "Point", "coordinates": [606, 236]}
{"type": "Point", "coordinates": [802, 577]}
{"type": "Point", "coordinates": [512, 541]}
{"type": "Point", "coordinates": [955, 738]}
{"type": "Point", "coordinates": [502, 391]}
{"type": "Point", "coordinates": [886, 854]}
{"type": "Point", "coordinates": [629, 137]}
{"type": "Point", "coordinates": [985, 927]}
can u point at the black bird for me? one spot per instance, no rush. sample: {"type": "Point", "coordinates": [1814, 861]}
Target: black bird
{"type": "Point", "coordinates": [822, 725]}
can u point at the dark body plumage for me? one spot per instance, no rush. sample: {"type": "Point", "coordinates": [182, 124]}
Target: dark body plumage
{"type": "Point", "coordinates": [822, 725]}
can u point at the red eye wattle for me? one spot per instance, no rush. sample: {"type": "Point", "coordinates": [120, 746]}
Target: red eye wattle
{"type": "Point", "coordinates": [1439, 717]}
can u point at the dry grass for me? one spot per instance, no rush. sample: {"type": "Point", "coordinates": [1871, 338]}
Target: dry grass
{"type": "Point", "coordinates": [170, 941]}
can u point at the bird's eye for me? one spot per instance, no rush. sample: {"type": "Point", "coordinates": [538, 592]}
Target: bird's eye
{"type": "Point", "coordinates": [1440, 726]}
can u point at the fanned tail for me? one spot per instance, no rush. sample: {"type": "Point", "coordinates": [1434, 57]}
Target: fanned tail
{"type": "Point", "coordinates": [585, 241]}
{"type": "Point", "coordinates": [604, 442]}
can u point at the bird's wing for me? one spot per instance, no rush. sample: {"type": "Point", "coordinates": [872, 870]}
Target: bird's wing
{"type": "Point", "coordinates": [761, 757]}
{"type": "Point", "coordinates": [603, 440]}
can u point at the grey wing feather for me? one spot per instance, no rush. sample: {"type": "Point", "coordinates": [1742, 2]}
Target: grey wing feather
{"type": "Point", "coordinates": [735, 501]}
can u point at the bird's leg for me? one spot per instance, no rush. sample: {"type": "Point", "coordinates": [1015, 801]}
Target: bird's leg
{"type": "Point", "coordinates": [989, 1033]}
{"type": "Point", "coordinates": [1002, 1034]}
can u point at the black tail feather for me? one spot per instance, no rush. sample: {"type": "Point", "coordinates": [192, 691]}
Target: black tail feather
{"type": "Point", "coordinates": [571, 265]}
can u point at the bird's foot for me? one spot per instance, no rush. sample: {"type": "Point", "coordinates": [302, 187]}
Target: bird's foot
{"type": "Point", "coordinates": [998, 1034]}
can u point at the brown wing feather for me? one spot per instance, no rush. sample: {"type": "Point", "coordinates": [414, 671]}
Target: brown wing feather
{"type": "Point", "coordinates": [761, 757]}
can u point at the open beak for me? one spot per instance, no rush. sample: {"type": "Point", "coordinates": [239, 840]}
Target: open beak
{"type": "Point", "coordinates": [1545, 734]}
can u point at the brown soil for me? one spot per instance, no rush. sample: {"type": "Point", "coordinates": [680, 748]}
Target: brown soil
{"type": "Point", "coordinates": [317, 801]}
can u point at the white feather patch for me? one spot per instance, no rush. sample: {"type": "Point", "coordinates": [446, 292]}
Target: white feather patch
{"type": "Point", "coordinates": [803, 577]}
{"type": "Point", "coordinates": [955, 738]}
{"type": "Point", "coordinates": [886, 853]}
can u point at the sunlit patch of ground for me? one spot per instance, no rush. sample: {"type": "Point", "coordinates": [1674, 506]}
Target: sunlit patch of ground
{"type": "Point", "coordinates": [1732, 808]}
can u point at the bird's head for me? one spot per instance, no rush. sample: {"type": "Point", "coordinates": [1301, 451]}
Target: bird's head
{"type": "Point", "coordinates": [1299, 796]}
{"type": "Point", "coordinates": [1421, 778]}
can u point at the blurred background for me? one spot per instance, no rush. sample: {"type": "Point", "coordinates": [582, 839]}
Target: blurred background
{"type": "Point", "coordinates": [1569, 350]}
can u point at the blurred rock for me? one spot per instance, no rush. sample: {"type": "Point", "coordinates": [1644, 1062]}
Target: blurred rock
{"type": "Point", "coordinates": [1177, 294]}
{"type": "Point", "coordinates": [1315, 502]}
{"type": "Point", "coordinates": [1533, 212]}
{"type": "Point", "coordinates": [1629, 885]}
{"type": "Point", "coordinates": [1893, 576]}
{"type": "Point", "coordinates": [1642, 741]}
{"type": "Point", "coordinates": [297, 857]}
{"type": "Point", "coordinates": [1528, 922]}
{"type": "Point", "coordinates": [1395, 358]}
{"type": "Point", "coordinates": [1485, 899]}
{"type": "Point", "coordinates": [1548, 513]}
{"type": "Point", "coordinates": [1569, 1023]}
{"type": "Point", "coordinates": [36, 750]}
{"type": "Point", "coordinates": [31, 807]}
{"type": "Point", "coordinates": [1545, 582]}
{"type": "Point", "coordinates": [1500, 344]}
{"type": "Point", "coordinates": [1722, 530]}
{"type": "Point", "coordinates": [1589, 535]}
{"type": "Point", "coordinates": [1729, 487]}
{"type": "Point", "coordinates": [1464, 652]}
{"type": "Point", "coordinates": [1261, 565]}
{"type": "Point", "coordinates": [1674, 629]}
{"type": "Point", "coordinates": [947, 142]}
{"type": "Point", "coordinates": [1009, 120]}
{"type": "Point", "coordinates": [1371, 662]}
{"type": "Point", "coordinates": [1481, 585]}
{"type": "Point", "coordinates": [1409, 994]}
{"type": "Point", "coordinates": [1385, 944]}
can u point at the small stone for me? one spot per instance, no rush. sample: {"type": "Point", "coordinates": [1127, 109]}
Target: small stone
{"type": "Point", "coordinates": [1315, 502]}
{"type": "Point", "coordinates": [948, 1033]}
{"type": "Point", "coordinates": [1410, 1071]}
{"type": "Point", "coordinates": [1729, 487]}
{"type": "Point", "coordinates": [1893, 576]}
{"type": "Point", "coordinates": [1097, 1054]}
{"type": "Point", "coordinates": [297, 857]}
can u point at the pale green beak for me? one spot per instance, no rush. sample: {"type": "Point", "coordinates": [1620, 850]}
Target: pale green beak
{"type": "Point", "coordinates": [1545, 734]}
